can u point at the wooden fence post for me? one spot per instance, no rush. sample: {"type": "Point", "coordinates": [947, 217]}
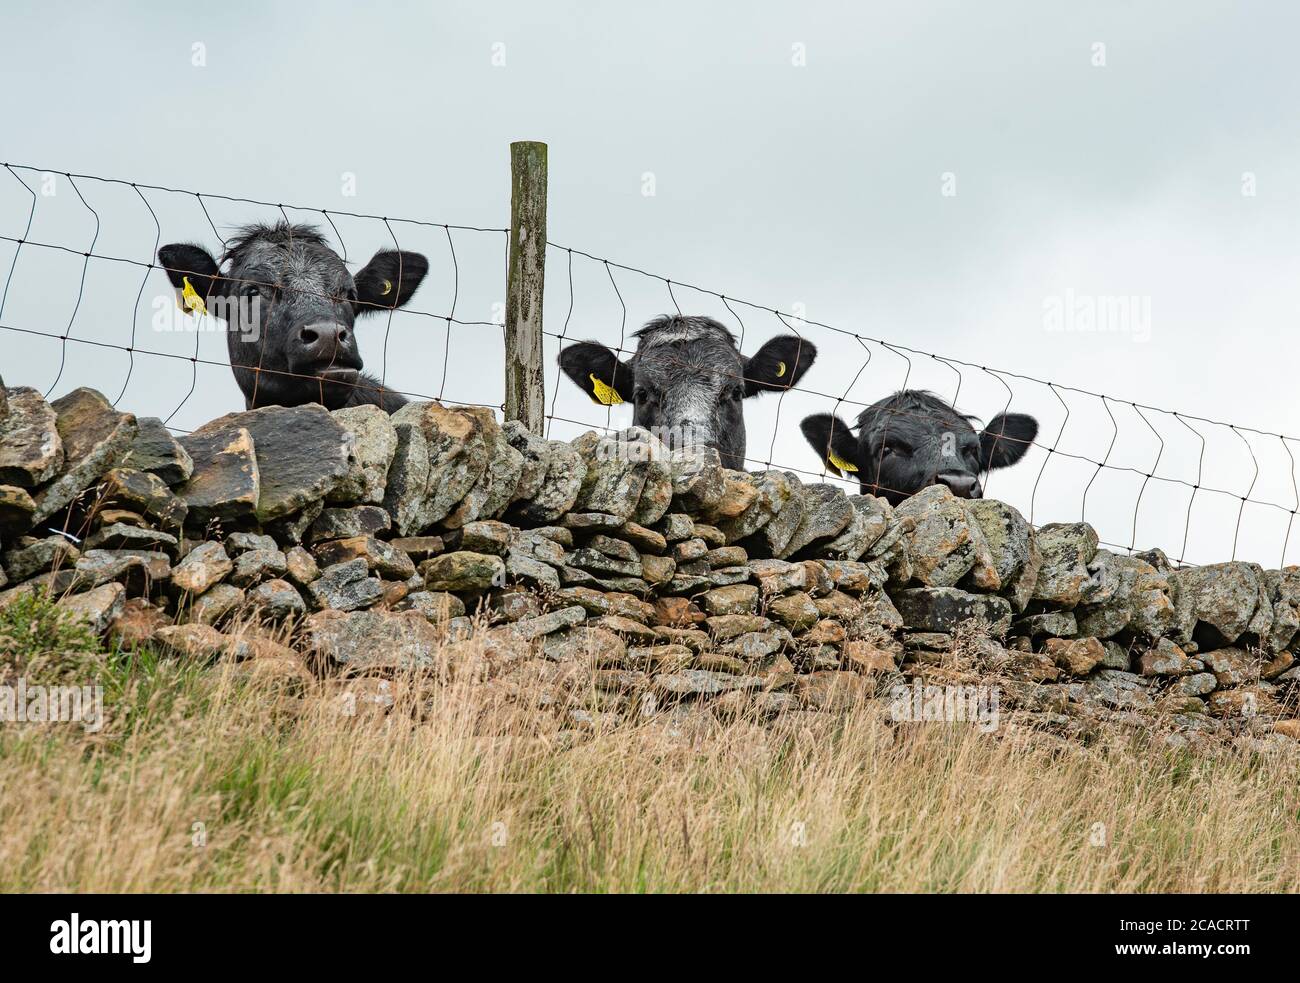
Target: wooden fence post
{"type": "Point", "coordinates": [525, 279]}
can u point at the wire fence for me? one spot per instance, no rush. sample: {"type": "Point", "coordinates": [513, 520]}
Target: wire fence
{"type": "Point", "coordinates": [1144, 476]}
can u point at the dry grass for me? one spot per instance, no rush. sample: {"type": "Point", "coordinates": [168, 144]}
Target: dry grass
{"type": "Point", "coordinates": [478, 795]}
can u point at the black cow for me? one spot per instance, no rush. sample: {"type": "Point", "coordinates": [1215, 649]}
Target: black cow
{"type": "Point", "coordinates": [913, 439]}
{"type": "Point", "coordinates": [290, 304]}
{"type": "Point", "coordinates": [687, 380]}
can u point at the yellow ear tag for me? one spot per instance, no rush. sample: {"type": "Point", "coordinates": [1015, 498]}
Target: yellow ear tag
{"type": "Point", "coordinates": [780, 369]}
{"type": "Point", "coordinates": [190, 299]}
{"type": "Point", "coordinates": [604, 394]}
{"type": "Point", "coordinates": [388, 288]}
{"type": "Point", "coordinates": [839, 462]}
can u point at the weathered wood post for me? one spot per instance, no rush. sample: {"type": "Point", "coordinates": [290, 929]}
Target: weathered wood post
{"type": "Point", "coordinates": [525, 279]}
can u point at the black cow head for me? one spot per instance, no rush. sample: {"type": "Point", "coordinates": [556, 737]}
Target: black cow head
{"type": "Point", "coordinates": [913, 439]}
{"type": "Point", "coordinates": [290, 306]}
{"type": "Point", "coordinates": [687, 380]}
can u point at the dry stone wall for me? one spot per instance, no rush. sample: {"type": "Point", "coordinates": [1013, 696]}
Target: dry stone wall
{"type": "Point", "coordinates": [376, 539]}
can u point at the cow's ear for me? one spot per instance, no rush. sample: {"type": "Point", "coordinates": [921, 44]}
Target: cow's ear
{"type": "Point", "coordinates": [831, 438]}
{"type": "Point", "coordinates": [1006, 439]}
{"type": "Point", "coordinates": [388, 280]}
{"type": "Point", "coordinates": [192, 271]}
{"type": "Point", "coordinates": [779, 364]}
{"type": "Point", "coordinates": [597, 372]}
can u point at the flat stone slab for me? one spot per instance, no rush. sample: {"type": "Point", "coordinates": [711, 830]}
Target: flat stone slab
{"type": "Point", "coordinates": [226, 483]}
{"type": "Point", "coordinates": [302, 454]}
{"type": "Point", "coordinates": [96, 438]}
{"type": "Point", "coordinates": [31, 450]}
{"type": "Point", "coordinates": [155, 450]}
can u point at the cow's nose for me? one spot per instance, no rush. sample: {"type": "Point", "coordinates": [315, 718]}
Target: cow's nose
{"type": "Point", "coordinates": [322, 340]}
{"type": "Point", "coordinates": [962, 483]}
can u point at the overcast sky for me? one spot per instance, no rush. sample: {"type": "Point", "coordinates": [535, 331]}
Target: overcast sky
{"type": "Point", "coordinates": [960, 179]}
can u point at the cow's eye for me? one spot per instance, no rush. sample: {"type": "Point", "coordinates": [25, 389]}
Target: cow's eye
{"type": "Point", "coordinates": [894, 447]}
{"type": "Point", "coordinates": [351, 295]}
{"type": "Point", "coordinates": [251, 290]}
{"type": "Point", "coordinates": [736, 394]}
{"type": "Point", "coordinates": [640, 395]}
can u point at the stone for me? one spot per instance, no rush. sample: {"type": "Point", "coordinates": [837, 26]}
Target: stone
{"type": "Point", "coordinates": [96, 438]}
{"type": "Point", "coordinates": [156, 451]}
{"type": "Point", "coordinates": [1166, 659]}
{"type": "Point", "coordinates": [495, 487]}
{"type": "Point", "coordinates": [292, 528]}
{"type": "Point", "coordinates": [585, 644]}
{"type": "Point", "coordinates": [597, 603]}
{"type": "Point", "coordinates": [560, 486]}
{"type": "Point", "coordinates": [438, 607]}
{"type": "Point", "coordinates": [302, 454]}
{"type": "Point", "coordinates": [627, 629]}
{"type": "Point", "coordinates": [346, 587]}
{"type": "Point", "coordinates": [1117, 690]}
{"type": "Point", "coordinates": [214, 604]}
{"type": "Point", "coordinates": [774, 489]}
{"type": "Point", "coordinates": [831, 691]}
{"type": "Point", "coordinates": [643, 538]}
{"type": "Point", "coordinates": [31, 450]}
{"type": "Point", "coordinates": [17, 510]}
{"type": "Point", "coordinates": [946, 543]}
{"type": "Point", "coordinates": [701, 682]}
{"type": "Point", "coordinates": [855, 577]}
{"type": "Point", "coordinates": [1221, 602]}
{"type": "Point", "coordinates": [1197, 684]}
{"type": "Point", "coordinates": [372, 641]}
{"type": "Point", "coordinates": [202, 567]}
{"type": "Point", "coordinates": [124, 537]}
{"type": "Point", "coordinates": [143, 493]}
{"type": "Point", "coordinates": [944, 608]}
{"type": "Point", "coordinates": [1078, 655]}
{"type": "Point", "coordinates": [408, 473]}
{"type": "Point", "coordinates": [419, 548]}
{"type": "Point", "coordinates": [96, 608]}
{"type": "Point", "coordinates": [796, 611]}
{"type": "Point", "coordinates": [345, 523]}
{"type": "Point", "coordinates": [32, 556]}
{"type": "Point", "coordinates": [521, 569]}
{"type": "Point", "coordinates": [225, 485]}
{"type": "Point", "coordinates": [194, 642]}
{"type": "Point", "coordinates": [277, 600]}
{"type": "Point", "coordinates": [381, 558]}
{"type": "Point", "coordinates": [1058, 624]}
{"type": "Point", "coordinates": [756, 645]}
{"type": "Point", "coordinates": [536, 455]}
{"type": "Point", "coordinates": [374, 445]}
{"type": "Point", "coordinates": [689, 550]}
{"type": "Point", "coordinates": [550, 622]}
{"type": "Point", "coordinates": [1067, 549]}
{"type": "Point", "coordinates": [1231, 666]}
{"type": "Point", "coordinates": [597, 562]}
{"type": "Point", "coordinates": [867, 658]}
{"type": "Point", "coordinates": [242, 542]}
{"type": "Point", "coordinates": [134, 626]}
{"type": "Point", "coordinates": [657, 569]}
{"type": "Point", "coordinates": [300, 566]}
{"type": "Point", "coordinates": [737, 599]}
{"type": "Point", "coordinates": [485, 536]}
{"type": "Point", "coordinates": [140, 569]}
{"type": "Point", "coordinates": [727, 626]}
{"type": "Point", "coordinates": [257, 565]}
{"type": "Point", "coordinates": [463, 571]}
